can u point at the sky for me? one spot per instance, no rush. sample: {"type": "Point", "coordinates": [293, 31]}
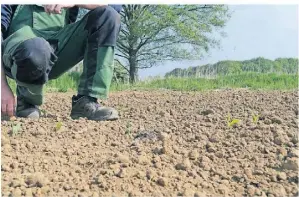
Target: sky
{"type": "Point", "coordinates": [269, 31]}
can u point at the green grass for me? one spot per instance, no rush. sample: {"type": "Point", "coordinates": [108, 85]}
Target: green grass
{"type": "Point", "coordinates": [245, 80]}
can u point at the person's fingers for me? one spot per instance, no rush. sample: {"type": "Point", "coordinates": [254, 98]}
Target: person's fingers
{"type": "Point", "coordinates": [3, 108]}
{"type": "Point", "coordinates": [57, 9]}
{"type": "Point", "coordinates": [10, 108]}
{"type": "Point", "coordinates": [50, 8]}
{"type": "Point", "coordinates": [46, 7]}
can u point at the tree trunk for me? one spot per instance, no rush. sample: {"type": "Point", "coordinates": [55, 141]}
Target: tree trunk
{"type": "Point", "coordinates": [133, 70]}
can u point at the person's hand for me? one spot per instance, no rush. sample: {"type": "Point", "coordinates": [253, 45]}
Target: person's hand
{"type": "Point", "coordinates": [7, 100]}
{"type": "Point", "coordinates": [56, 9]}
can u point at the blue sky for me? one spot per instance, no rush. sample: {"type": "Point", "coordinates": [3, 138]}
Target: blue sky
{"type": "Point", "coordinates": [269, 31]}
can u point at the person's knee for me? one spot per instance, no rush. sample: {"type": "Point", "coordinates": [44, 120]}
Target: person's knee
{"type": "Point", "coordinates": [34, 59]}
{"type": "Point", "coordinates": [103, 15]}
{"type": "Point", "coordinates": [104, 22]}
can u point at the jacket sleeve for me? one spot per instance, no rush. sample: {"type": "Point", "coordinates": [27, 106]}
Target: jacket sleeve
{"type": "Point", "coordinates": [118, 8]}
{"type": "Point", "coordinates": [6, 15]}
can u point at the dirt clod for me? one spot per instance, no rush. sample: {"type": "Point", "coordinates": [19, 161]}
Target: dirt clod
{"type": "Point", "coordinates": [277, 120]}
{"type": "Point", "coordinates": [290, 164]}
{"type": "Point", "coordinates": [36, 180]}
{"type": "Point", "coordinates": [277, 190]}
{"type": "Point", "coordinates": [162, 182]}
{"type": "Point", "coordinates": [16, 192]}
{"type": "Point", "coordinates": [184, 165]}
{"type": "Point", "coordinates": [282, 176]}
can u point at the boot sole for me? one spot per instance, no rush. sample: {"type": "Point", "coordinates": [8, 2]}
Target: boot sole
{"type": "Point", "coordinates": [113, 116]}
{"type": "Point", "coordinates": [32, 115]}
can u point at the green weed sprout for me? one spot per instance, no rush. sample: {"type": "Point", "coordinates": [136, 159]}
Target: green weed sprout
{"type": "Point", "coordinates": [255, 118]}
{"type": "Point", "coordinates": [232, 121]}
{"type": "Point", "coordinates": [16, 129]}
{"type": "Point", "coordinates": [58, 126]}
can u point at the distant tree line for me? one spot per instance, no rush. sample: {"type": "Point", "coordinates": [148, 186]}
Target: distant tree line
{"type": "Point", "coordinates": [260, 64]}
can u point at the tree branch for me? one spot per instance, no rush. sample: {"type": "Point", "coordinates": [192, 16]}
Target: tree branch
{"type": "Point", "coordinates": [122, 56]}
{"type": "Point", "coordinates": [122, 65]}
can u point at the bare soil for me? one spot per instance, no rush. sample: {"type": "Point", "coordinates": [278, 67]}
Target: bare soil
{"type": "Point", "coordinates": [165, 143]}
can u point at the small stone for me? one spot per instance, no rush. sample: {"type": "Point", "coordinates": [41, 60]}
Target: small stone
{"type": "Point", "coordinates": [184, 165]}
{"type": "Point", "coordinates": [4, 140]}
{"type": "Point", "coordinates": [16, 193]}
{"type": "Point", "coordinates": [95, 194]}
{"type": "Point", "coordinates": [273, 178]}
{"type": "Point", "coordinates": [45, 189]}
{"type": "Point", "coordinates": [277, 190]}
{"type": "Point", "coordinates": [267, 121]}
{"type": "Point", "coordinates": [205, 159]}
{"type": "Point", "coordinates": [248, 173]}
{"type": "Point", "coordinates": [5, 168]}
{"type": "Point", "coordinates": [258, 192]}
{"type": "Point", "coordinates": [276, 119]}
{"type": "Point", "coordinates": [251, 190]}
{"type": "Point", "coordinates": [211, 149]}
{"type": "Point", "coordinates": [67, 187]}
{"type": "Point", "coordinates": [204, 175]}
{"type": "Point", "coordinates": [290, 164]}
{"type": "Point", "coordinates": [282, 176]}
{"type": "Point", "coordinates": [162, 182]}
{"type": "Point", "coordinates": [214, 139]}
{"type": "Point", "coordinates": [36, 180]}
{"type": "Point", "coordinates": [162, 113]}
{"type": "Point", "coordinates": [294, 153]}
{"type": "Point", "coordinates": [28, 192]}
{"type": "Point", "coordinates": [200, 194]}
{"type": "Point", "coordinates": [142, 159]}
{"type": "Point", "coordinates": [158, 165]}
{"type": "Point", "coordinates": [14, 165]}
{"type": "Point", "coordinates": [278, 140]}
{"type": "Point", "coordinates": [140, 174]}
{"type": "Point", "coordinates": [123, 159]}
{"type": "Point", "coordinates": [29, 145]}
{"type": "Point", "coordinates": [207, 112]}
{"type": "Point", "coordinates": [150, 174]}
{"type": "Point", "coordinates": [6, 147]}
{"type": "Point", "coordinates": [263, 194]}
{"type": "Point", "coordinates": [164, 150]}
{"type": "Point", "coordinates": [17, 183]}
{"type": "Point", "coordinates": [223, 189]}
{"type": "Point", "coordinates": [219, 154]}
{"type": "Point", "coordinates": [163, 136]}
{"type": "Point", "coordinates": [294, 139]}
{"type": "Point", "coordinates": [205, 165]}
{"type": "Point", "coordinates": [258, 172]}
{"type": "Point", "coordinates": [121, 173]}
{"type": "Point", "coordinates": [188, 192]}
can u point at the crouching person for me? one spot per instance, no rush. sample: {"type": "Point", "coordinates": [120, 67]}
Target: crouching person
{"type": "Point", "coordinates": [42, 44]}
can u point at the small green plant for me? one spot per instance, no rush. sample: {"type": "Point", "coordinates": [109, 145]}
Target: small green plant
{"type": "Point", "coordinates": [128, 128]}
{"type": "Point", "coordinates": [58, 126]}
{"type": "Point", "coordinates": [255, 118]}
{"type": "Point", "coordinates": [44, 112]}
{"type": "Point", "coordinates": [232, 121]}
{"type": "Point", "coordinates": [15, 129]}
